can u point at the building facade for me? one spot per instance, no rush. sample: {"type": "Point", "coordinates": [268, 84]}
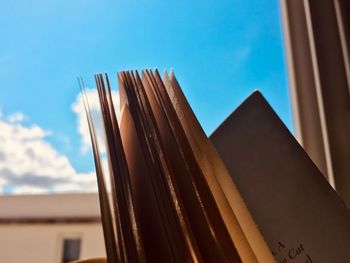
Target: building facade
{"type": "Point", "coordinates": [50, 228]}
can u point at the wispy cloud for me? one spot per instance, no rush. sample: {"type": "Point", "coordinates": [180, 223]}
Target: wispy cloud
{"type": "Point", "coordinates": [16, 117]}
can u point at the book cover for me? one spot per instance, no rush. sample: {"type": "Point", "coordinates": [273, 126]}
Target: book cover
{"type": "Point", "coordinates": [299, 214]}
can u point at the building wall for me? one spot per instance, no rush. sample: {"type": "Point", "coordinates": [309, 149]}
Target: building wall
{"type": "Point", "coordinates": [33, 227]}
{"type": "Point", "coordinates": [43, 243]}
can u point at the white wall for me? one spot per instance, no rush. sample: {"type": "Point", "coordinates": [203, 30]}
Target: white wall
{"type": "Point", "coordinates": [43, 243]}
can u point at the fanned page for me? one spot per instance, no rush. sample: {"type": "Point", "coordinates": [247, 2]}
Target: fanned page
{"type": "Point", "coordinates": [298, 212]}
{"type": "Point", "coordinates": [144, 131]}
{"type": "Point", "coordinates": [194, 229]}
{"type": "Point", "coordinates": [173, 199]}
{"type": "Point", "coordinates": [127, 234]}
{"type": "Point", "coordinates": [249, 242]}
{"type": "Point", "coordinates": [208, 231]}
{"type": "Point", "coordinates": [148, 209]}
{"type": "Point", "coordinates": [108, 224]}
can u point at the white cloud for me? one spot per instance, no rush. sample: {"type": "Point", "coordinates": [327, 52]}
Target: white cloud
{"type": "Point", "coordinates": [29, 164]}
{"type": "Point", "coordinates": [16, 117]}
{"type": "Point", "coordinates": [94, 104]}
{"type": "Point", "coordinates": [26, 189]}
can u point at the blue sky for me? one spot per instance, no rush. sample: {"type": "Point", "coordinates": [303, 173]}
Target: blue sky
{"type": "Point", "coordinates": [220, 51]}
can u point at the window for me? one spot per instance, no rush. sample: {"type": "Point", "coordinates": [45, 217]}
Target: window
{"type": "Point", "coordinates": [71, 249]}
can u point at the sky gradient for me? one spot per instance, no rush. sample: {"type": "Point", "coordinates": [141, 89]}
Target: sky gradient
{"type": "Point", "coordinates": [220, 52]}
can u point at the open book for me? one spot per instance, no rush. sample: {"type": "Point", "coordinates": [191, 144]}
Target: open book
{"type": "Point", "coordinates": [175, 199]}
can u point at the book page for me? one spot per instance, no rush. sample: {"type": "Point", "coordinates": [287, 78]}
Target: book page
{"type": "Point", "coordinates": [245, 235]}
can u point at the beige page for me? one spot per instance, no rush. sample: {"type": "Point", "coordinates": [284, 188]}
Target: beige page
{"type": "Point", "coordinates": [246, 236]}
